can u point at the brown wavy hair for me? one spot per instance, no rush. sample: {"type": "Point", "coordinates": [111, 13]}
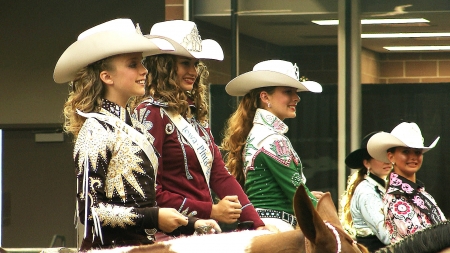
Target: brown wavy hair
{"type": "Point", "coordinates": [86, 94]}
{"type": "Point", "coordinates": [237, 128]}
{"type": "Point", "coordinates": [161, 84]}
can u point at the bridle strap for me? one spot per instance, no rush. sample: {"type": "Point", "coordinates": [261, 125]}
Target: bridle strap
{"type": "Point", "coordinates": [336, 235]}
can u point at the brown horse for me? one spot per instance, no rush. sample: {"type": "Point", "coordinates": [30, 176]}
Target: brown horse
{"type": "Point", "coordinates": [322, 233]}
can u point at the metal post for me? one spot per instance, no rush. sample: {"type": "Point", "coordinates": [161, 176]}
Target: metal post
{"type": "Point", "coordinates": [234, 39]}
{"type": "Point", "coordinates": [186, 10]}
{"type": "Point", "coordinates": [234, 43]}
{"type": "Point", "coordinates": [349, 84]}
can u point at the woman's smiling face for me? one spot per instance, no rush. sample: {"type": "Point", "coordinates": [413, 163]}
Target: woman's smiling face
{"type": "Point", "coordinates": [186, 72]}
{"type": "Point", "coordinates": [283, 102]}
{"type": "Point", "coordinates": [407, 161]}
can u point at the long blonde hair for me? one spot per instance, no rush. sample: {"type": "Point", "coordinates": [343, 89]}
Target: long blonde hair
{"type": "Point", "coordinates": [237, 128]}
{"type": "Point", "coordinates": [86, 94]}
{"type": "Point", "coordinates": [353, 181]}
{"type": "Point", "coordinates": [162, 84]}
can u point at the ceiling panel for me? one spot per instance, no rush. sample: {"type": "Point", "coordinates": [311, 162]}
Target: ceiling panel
{"type": "Point", "coordinates": [288, 23]}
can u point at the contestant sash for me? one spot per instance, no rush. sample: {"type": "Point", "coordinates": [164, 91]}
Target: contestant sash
{"type": "Point", "coordinates": [200, 147]}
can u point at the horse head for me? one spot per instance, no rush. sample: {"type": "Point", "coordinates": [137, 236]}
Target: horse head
{"type": "Point", "coordinates": [322, 227]}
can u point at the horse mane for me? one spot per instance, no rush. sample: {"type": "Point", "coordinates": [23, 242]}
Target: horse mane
{"type": "Point", "coordinates": [432, 239]}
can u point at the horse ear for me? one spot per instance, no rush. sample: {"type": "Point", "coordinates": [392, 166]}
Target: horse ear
{"type": "Point", "coordinates": [308, 219]}
{"type": "Point", "coordinates": [327, 210]}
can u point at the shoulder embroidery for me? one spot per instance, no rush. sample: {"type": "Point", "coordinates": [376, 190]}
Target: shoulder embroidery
{"type": "Point", "coordinates": [92, 142]}
{"type": "Point", "coordinates": [281, 149]}
{"type": "Point", "coordinates": [141, 117]}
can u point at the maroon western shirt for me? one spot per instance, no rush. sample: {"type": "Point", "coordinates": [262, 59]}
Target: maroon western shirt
{"type": "Point", "coordinates": [180, 180]}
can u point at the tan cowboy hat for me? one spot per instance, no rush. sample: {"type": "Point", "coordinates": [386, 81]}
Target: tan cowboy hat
{"type": "Point", "coordinates": [270, 73]}
{"type": "Point", "coordinates": [186, 40]}
{"type": "Point", "coordinates": [403, 135]}
{"type": "Point", "coordinates": [114, 37]}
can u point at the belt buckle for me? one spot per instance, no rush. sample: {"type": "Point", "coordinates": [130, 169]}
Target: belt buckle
{"type": "Point", "coordinates": [286, 217]}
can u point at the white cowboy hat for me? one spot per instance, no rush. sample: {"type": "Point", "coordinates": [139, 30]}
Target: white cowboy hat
{"type": "Point", "coordinates": [403, 135]}
{"type": "Point", "coordinates": [186, 40]}
{"type": "Point", "coordinates": [270, 73]}
{"type": "Point", "coordinates": [114, 37]}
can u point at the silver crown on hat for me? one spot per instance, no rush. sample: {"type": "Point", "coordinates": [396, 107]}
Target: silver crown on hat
{"type": "Point", "coordinates": [193, 41]}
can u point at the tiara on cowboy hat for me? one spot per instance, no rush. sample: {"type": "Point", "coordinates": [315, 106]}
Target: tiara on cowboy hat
{"type": "Point", "coordinates": [270, 73]}
{"type": "Point", "coordinates": [355, 159]}
{"type": "Point", "coordinates": [113, 37]}
{"type": "Point", "coordinates": [184, 36]}
{"type": "Point", "coordinates": [403, 135]}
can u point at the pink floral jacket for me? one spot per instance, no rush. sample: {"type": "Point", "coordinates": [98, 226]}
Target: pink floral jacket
{"type": "Point", "coordinates": [402, 217]}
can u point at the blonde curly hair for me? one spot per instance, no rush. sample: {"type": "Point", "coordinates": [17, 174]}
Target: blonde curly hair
{"type": "Point", "coordinates": [237, 128]}
{"type": "Point", "coordinates": [161, 84]}
{"type": "Point", "coordinates": [86, 94]}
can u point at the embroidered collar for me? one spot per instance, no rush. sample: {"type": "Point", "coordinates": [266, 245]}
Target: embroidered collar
{"type": "Point", "coordinates": [156, 102]}
{"type": "Point", "coordinates": [267, 118]}
{"type": "Point", "coordinates": [116, 110]}
{"type": "Point", "coordinates": [378, 183]}
{"type": "Point", "coordinates": [401, 185]}
{"type": "Point", "coordinates": [378, 180]}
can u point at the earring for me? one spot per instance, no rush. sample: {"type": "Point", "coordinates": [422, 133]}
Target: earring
{"type": "Point", "coordinates": [393, 165]}
{"type": "Point", "coordinates": [268, 104]}
{"type": "Point", "coordinates": [368, 171]}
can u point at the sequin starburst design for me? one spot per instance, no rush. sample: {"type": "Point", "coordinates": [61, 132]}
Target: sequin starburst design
{"type": "Point", "coordinates": [92, 142]}
{"type": "Point", "coordinates": [124, 162]}
{"type": "Point", "coordinates": [115, 216]}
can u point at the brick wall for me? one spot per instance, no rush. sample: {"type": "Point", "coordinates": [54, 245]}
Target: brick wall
{"type": "Point", "coordinates": [370, 66]}
{"type": "Point", "coordinates": [174, 9]}
{"type": "Point", "coordinates": [415, 67]}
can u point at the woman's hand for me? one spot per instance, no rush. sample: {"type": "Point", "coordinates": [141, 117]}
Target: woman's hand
{"type": "Point", "coordinates": [228, 210]}
{"type": "Point", "coordinates": [170, 219]}
{"type": "Point", "coordinates": [207, 227]}
{"type": "Point", "coordinates": [317, 194]}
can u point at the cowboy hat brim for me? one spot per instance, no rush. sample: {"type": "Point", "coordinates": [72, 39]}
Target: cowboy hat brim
{"type": "Point", "coordinates": [102, 45]}
{"type": "Point", "coordinates": [246, 82]}
{"type": "Point", "coordinates": [354, 160]}
{"type": "Point", "coordinates": [210, 49]}
{"type": "Point", "coordinates": [379, 143]}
